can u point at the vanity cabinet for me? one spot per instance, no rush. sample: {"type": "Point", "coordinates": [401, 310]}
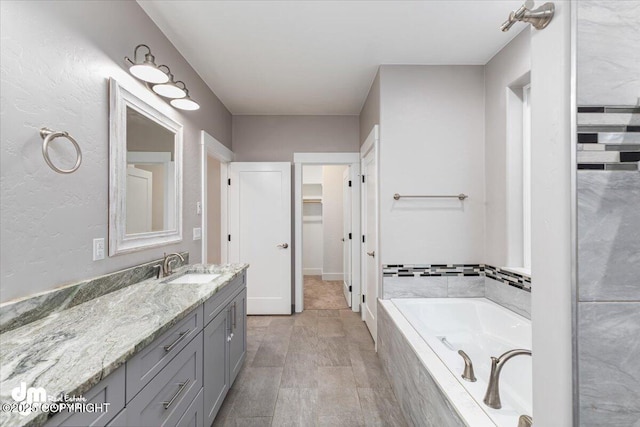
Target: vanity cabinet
{"type": "Point", "coordinates": [182, 377]}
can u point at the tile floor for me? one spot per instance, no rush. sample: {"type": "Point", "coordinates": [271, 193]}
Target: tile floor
{"type": "Point", "coordinates": [316, 368]}
{"type": "Point", "coordinates": [323, 294]}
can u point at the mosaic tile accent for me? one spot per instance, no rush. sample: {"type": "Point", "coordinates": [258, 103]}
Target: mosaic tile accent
{"type": "Point", "coordinates": [418, 270]}
{"type": "Point", "coordinates": [508, 277]}
{"type": "Point", "coordinates": [427, 270]}
{"type": "Point", "coordinates": [14, 314]}
{"type": "Point", "coordinates": [609, 138]}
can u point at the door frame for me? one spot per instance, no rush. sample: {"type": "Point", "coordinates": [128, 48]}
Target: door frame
{"type": "Point", "coordinates": [211, 147]}
{"type": "Point", "coordinates": [372, 143]}
{"type": "Point", "coordinates": [300, 160]}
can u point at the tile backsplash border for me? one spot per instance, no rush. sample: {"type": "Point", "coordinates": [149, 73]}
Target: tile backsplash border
{"type": "Point", "coordinates": [508, 277]}
{"type": "Point", "coordinates": [14, 314]}
{"type": "Point", "coordinates": [459, 281]}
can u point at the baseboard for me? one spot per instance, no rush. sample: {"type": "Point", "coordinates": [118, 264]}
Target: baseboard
{"type": "Point", "coordinates": [312, 272]}
{"type": "Point", "coordinates": [332, 276]}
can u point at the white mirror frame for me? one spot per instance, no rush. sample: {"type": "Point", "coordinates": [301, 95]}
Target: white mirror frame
{"type": "Point", "coordinates": [119, 241]}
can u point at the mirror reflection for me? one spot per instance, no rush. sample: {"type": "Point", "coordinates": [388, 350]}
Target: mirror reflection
{"type": "Point", "coordinates": [151, 175]}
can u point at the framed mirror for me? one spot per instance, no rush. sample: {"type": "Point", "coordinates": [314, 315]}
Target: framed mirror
{"type": "Point", "coordinates": [145, 174]}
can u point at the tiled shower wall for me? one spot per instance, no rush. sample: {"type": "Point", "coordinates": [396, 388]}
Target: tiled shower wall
{"type": "Point", "coordinates": [608, 186]}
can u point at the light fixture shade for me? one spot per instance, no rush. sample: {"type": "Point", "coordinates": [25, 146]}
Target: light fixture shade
{"type": "Point", "coordinates": [148, 71]}
{"type": "Point", "coordinates": [169, 90]}
{"type": "Point", "coordinates": [185, 103]}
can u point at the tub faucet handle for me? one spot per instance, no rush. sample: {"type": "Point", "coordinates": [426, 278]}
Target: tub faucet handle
{"type": "Point", "coordinates": [467, 374]}
{"type": "Point", "coordinates": [525, 421]}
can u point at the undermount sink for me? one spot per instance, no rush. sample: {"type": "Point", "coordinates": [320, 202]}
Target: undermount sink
{"type": "Point", "coordinates": [194, 278]}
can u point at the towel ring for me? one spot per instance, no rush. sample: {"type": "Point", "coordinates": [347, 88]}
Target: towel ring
{"type": "Point", "coordinates": [49, 135]}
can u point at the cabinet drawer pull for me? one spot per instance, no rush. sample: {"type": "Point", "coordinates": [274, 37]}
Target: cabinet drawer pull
{"type": "Point", "coordinates": [170, 347]}
{"type": "Point", "coordinates": [175, 396]}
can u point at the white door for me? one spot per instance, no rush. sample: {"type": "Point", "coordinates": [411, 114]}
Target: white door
{"type": "Point", "coordinates": [260, 232]}
{"type": "Point", "coordinates": [139, 200]}
{"type": "Point", "coordinates": [346, 231]}
{"type": "Point", "coordinates": [370, 227]}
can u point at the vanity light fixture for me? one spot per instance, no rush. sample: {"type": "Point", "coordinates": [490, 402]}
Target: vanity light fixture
{"type": "Point", "coordinates": [146, 70]}
{"type": "Point", "coordinates": [169, 89]}
{"type": "Point", "coordinates": [159, 79]}
{"type": "Point", "coordinates": [185, 103]}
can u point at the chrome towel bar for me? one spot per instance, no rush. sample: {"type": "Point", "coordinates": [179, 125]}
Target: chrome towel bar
{"type": "Point", "coordinates": [457, 196]}
{"type": "Point", "coordinates": [49, 135]}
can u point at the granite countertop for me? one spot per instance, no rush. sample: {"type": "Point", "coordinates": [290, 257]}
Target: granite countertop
{"type": "Point", "coordinates": [69, 352]}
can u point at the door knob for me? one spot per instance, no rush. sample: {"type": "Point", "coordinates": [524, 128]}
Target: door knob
{"type": "Point", "coordinates": [373, 253]}
{"type": "Point", "coordinates": [284, 246]}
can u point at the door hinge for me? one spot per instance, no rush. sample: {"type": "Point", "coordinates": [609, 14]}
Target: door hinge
{"type": "Point", "coordinates": [350, 236]}
{"type": "Point", "coordinates": [350, 288]}
{"type": "Point", "coordinates": [363, 179]}
{"type": "Point", "coordinates": [349, 183]}
{"type": "Point", "coordinates": [362, 297]}
{"type": "Point", "coordinates": [229, 181]}
{"type": "Point", "coordinates": [229, 237]}
{"type": "Point", "coordinates": [363, 238]}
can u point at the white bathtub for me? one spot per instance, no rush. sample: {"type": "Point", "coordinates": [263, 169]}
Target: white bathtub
{"type": "Point", "coordinates": [482, 329]}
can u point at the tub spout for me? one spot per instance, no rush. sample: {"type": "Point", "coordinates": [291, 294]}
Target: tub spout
{"type": "Point", "coordinates": [492, 396]}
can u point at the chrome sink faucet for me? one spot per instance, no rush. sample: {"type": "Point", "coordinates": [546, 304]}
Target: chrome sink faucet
{"type": "Point", "coordinates": [166, 264]}
{"type": "Point", "coordinates": [492, 396]}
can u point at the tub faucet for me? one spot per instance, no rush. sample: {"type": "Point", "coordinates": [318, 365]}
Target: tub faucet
{"type": "Point", "coordinates": [166, 265]}
{"type": "Point", "coordinates": [492, 396]}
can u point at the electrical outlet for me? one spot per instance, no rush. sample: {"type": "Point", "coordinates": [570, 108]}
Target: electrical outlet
{"type": "Point", "coordinates": [197, 233]}
{"type": "Point", "coordinates": [198, 208]}
{"type": "Point", "coordinates": [98, 249]}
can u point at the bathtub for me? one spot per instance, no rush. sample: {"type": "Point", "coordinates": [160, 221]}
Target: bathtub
{"type": "Point", "coordinates": [482, 329]}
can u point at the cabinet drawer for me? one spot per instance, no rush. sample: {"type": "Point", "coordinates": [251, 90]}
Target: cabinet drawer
{"type": "Point", "coordinates": [110, 390]}
{"type": "Point", "coordinates": [219, 301]}
{"type": "Point", "coordinates": [165, 399]}
{"type": "Point", "coordinates": [120, 420]}
{"type": "Point", "coordinates": [147, 363]}
{"type": "Point", "coordinates": [193, 417]}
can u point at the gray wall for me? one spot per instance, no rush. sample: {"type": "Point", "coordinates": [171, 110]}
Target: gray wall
{"type": "Point", "coordinates": [370, 114]}
{"type": "Point", "coordinates": [276, 138]}
{"type": "Point", "coordinates": [608, 324]}
{"type": "Point", "coordinates": [506, 69]}
{"type": "Point", "coordinates": [431, 142]}
{"type": "Point", "coordinates": [57, 57]}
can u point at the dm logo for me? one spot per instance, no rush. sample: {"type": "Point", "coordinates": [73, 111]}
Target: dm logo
{"type": "Point", "coordinates": [29, 395]}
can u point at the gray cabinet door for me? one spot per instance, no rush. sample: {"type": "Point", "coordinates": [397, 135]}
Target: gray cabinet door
{"type": "Point", "coordinates": [166, 398]}
{"type": "Point", "coordinates": [216, 364]}
{"type": "Point", "coordinates": [238, 343]}
{"type": "Point", "coordinates": [110, 391]}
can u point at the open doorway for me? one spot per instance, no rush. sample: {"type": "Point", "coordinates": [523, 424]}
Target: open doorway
{"type": "Point", "coordinates": [325, 237]}
{"type": "Point", "coordinates": [213, 212]}
{"type": "Point", "coordinates": [327, 230]}
{"type": "Point", "coordinates": [213, 208]}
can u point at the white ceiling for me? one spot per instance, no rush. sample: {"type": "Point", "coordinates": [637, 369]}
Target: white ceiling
{"type": "Point", "coordinates": [320, 57]}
